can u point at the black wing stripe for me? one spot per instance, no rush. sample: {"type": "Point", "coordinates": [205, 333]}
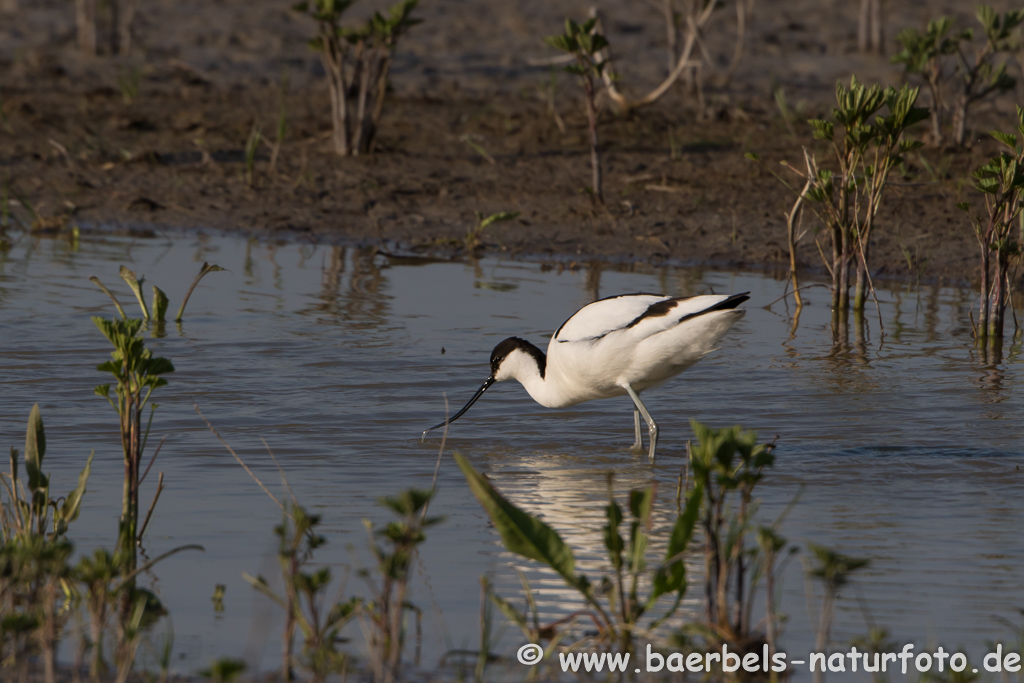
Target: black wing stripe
{"type": "Point", "coordinates": [607, 298]}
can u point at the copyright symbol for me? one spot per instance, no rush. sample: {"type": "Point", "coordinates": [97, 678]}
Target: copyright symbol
{"type": "Point", "coordinates": [530, 654]}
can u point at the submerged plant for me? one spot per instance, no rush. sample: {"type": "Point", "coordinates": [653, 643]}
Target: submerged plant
{"type": "Point", "coordinates": [357, 61]}
{"type": "Point", "coordinates": [1001, 180]}
{"type": "Point", "coordinates": [160, 300]}
{"type": "Point", "coordinates": [586, 46]}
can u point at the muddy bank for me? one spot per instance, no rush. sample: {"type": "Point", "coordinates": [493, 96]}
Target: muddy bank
{"type": "Point", "coordinates": [158, 138]}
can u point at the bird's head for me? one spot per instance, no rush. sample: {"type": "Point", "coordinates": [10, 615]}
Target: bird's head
{"type": "Point", "coordinates": [516, 357]}
{"type": "Point", "coordinates": [512, 358]}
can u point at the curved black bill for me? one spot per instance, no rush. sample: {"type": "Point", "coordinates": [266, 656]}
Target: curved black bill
{"type": "Point", "coordinates": [456, 416]}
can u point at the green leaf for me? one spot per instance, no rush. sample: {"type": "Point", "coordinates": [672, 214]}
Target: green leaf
{"type": "Point", "coordinates": [1008, 139]}
{"type": "Point", "coordinates": [499, 217]}
{"type": "Point", "coordinates": [641, 502]}
{"type": "Point", "coordinates": [612, 538]}
{"type": "Point", "coordinates": [35, 449]}
{"type": "Point", "coordinates": [111, 367]}
{"type": "Point", "coordinates": [521, 532]}
{"type": "Point", "coordinates": [73, 502]}
{"type": "Point", "coordinates": [117, 304]}
{"type": "Point", "coordinates": [753, 156]}
{"type": "Point", "coordinates": [823, 130]}
{"type": "Point", "coordinates": [160, 303]}
{"type": "Point", "coordinates": [136, 286]}
{"type": "Point", "coordinates": [157, 366]}
{"type": "Point", "coordinates": [203, 272]}
{"type": "Point", "coordinates": [508, 609]}
{"type": "Point", "coordinates": [563, 43]}
{"type": "Point", "coordinates": [964, 206]}
{"type": "Point", "coordinates": [671, 576]}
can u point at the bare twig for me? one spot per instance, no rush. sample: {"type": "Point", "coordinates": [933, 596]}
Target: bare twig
{"type": "Point", "coordinates": [153, 459]}
{"type": "Point", "coordinates": [152, 506]}
{"type": "Point", "coordinates": [775, 301]}
{"type": "Point", "coordinates": [284, 478]}
{"type": "Point", "coordinates": [440, 452]}
{"type": "Point", "coordinates": [238, 459]}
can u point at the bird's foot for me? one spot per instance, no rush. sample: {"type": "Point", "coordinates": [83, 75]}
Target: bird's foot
{"type": "Point", "coordinates": [637, 448]}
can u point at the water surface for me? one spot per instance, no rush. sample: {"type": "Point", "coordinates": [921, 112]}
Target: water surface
{"type": "Point", "coordinates": [908, 449]}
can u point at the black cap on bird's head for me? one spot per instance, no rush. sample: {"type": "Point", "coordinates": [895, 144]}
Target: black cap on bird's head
{"type": "Point", "coordinates": [507, 347]}
{"type": "Point", "coordinates": [498, 355]}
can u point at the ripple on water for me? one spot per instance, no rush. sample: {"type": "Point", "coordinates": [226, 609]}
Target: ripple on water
{"type": "Point", "coordinates": [905, 450]}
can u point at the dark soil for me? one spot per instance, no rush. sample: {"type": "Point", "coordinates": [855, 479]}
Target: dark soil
{"type": "Point", "coordinates": [82, 148]}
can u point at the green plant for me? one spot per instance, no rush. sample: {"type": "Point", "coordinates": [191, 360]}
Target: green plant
{"type": "Point", "coordinates": [727, 465]}
{"type": "Point", "coordinates": [224, 670]}
{"type": "Point", "coordinates": [33, 576]}
{"type": "Point", "coordinates": [472, 242]}
{"type": "Point", "coordinates": [1001, 180]}
{"type": "Point", "coordinates": [252, 144]}
{"type": "Point", "coordinates": [160, 300]}
{"type": "Point", "coordinates": [875, 644]}
{"type": "Point", "coordinates": [386, 610]}
{"type": "Point", "coordinates": [924, 53]}
{"type": "Point", "coordinates": [28, 509]}
{"type": "Point", "coordinates": [586, 46]}
{"type": "Point", "coordinates": [128, 83]}
{"type": "Point", "coordinates": [357, 61]}
{"type": "Point", "coordinates": [97, 575]}
{"type": "Point", "coordinates": [868, 148]}
{"type": "Point", "coordinates": [35, 552]}
{"type": "Point", "coordinates": [137, 374]}
{"type": "Point", "coordinates": [281, 130]}
{"type": "Point", "coordinates": [303, 599]}
{"type": "Point", "coordinates": [104, 579]}
{"type": "Point", "coordinates": [833, 570]}
{"type": "Point", "coordinates": [955, 78]}
{"type": "Point", "coordinates": [614, 602]}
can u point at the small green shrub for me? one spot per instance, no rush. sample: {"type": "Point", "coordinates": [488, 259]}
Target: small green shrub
{"type": "Point", "coordinates": [1001, 181]}
{"type": "Point", "coordinates": [957, 75]}
{"type": "Point", "coordinates": [357, 61]}
{"type": "Point", "coordinates": [587, 47]}
{"type": "Point", "coordinates": [865, 146]}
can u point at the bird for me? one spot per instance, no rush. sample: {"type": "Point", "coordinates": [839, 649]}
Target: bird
{"type": "Point", "coordinates": [619, 345]}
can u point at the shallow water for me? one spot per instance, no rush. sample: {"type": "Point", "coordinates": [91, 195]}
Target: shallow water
{"type": "Point", "coordinates": [908, 449]}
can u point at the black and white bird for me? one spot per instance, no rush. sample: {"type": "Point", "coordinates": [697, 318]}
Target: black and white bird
{"type": "Point", "coordinates": [619, 345]}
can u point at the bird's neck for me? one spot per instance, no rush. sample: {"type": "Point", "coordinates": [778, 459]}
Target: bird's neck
{"type": "Point", "coordinates": [529, 366]}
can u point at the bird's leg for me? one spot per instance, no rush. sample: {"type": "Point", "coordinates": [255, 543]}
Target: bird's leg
{"type": "Point", "coordinates": [652, 426]}
{"type": "Point", "coordinates": [638, 444]}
